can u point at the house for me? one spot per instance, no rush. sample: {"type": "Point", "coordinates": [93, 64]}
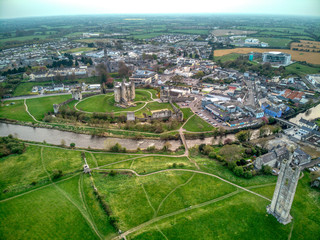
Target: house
{"type": "Point", "coordinates": [295, 96]}
{"type": "Point", "coordinates": [301, 157]}
{"type": "Point", "coordinates": [273, 158]}
{"type": "Point", "coordinates": [305, 123]}
{"type": "Point", "coordinates": [94, 86]}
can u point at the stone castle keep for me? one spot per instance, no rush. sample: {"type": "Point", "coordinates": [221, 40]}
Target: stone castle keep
{"type": "Point", "coordinates": [124, 94]}
{"type": "Point", "coordinates": [285, 190]}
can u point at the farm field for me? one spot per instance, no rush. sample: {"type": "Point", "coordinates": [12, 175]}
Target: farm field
{"type": "Point", "coordinates": [305, 45]}
{"type": "Point", "coordinates": [313, 58]}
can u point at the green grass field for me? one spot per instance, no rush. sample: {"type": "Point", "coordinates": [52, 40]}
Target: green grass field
{"type": "Point", "coordinates": [104, 103]}
{"type": "Point", "coordinates": [82, 49]}
{"type": "Point", "coordinates": [228, 57]}
{"type": "Point", "coordinates": [38, 107]}
{"type": "Point", "coordinates": [55, 212]}
{"type": "Point", "coordinates": [153, 106]}
{"type": "Point", "coordinates": [15, 111]}
{"type": "Point", "coordinates": [21, 39]}
{"type": "Point", "coordinates": [186, 113]}
{"type": "Point", "coordinates": [197, 124]}
{"type": "Point", "coordinates": [302, 70]}
{"type": "Point", "coordinates": [276, 42]}
{"type": "Point", "coordinates": [182, 205]}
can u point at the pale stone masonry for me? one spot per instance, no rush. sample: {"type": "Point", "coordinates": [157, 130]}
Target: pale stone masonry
{"type": "Point", "coordinates": [285, 190]}
{"type": "Point", "coordinates": [124, 93]}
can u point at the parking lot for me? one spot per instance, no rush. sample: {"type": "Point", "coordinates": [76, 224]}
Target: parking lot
{"type": "Point", "coordinates": [195, 106]}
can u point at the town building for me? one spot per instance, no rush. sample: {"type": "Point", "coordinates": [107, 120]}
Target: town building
{"type": "Point", "coordinates": [144, 77]}
{"type": "Point", "coordinates": [276, 58]}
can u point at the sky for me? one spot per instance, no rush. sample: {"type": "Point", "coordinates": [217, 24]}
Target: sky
{"type": "Point", "coordinates": [33, 8]}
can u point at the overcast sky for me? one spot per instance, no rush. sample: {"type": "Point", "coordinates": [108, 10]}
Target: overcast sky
{"type": "Point", "coordinates": [30, 8]}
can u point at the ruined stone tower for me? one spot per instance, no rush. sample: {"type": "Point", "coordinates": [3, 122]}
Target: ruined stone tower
{"type": "Point", "coordinates": [124, 93]}
{"type": "Point", "coordinates": [76, 94]}
{"type": "Point", "coordinates": [284, 192]}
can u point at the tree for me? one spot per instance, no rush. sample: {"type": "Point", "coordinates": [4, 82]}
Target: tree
{"type": "Point", "coordinates": [243, 136]}
{"type": "Point", "coordinates": [266, 169]}
{"type": "Point", "coordinates": [238, 170]}
{"type": "Point", "coordinates": [72, 145]}
{"type": "Point", "coordinates": [56, 174]}
{"type": "Point", "coordinates": [123, 70]}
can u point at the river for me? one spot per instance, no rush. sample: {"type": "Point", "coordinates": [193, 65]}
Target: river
{"type": "Point", "coordinates": [311, 114]}
{"type": "Point", "coordinates": [55, 137]}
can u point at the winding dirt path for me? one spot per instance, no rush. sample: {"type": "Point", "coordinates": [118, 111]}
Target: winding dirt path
{"type": "Point", "coordinates": [27, 110]}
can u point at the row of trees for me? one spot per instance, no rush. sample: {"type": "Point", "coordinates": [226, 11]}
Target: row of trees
{"type": "Point", "coordinates": [10, 145]}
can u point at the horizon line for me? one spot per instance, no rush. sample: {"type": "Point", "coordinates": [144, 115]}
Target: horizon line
{"type": "Point", "coordinates": [180, 13]}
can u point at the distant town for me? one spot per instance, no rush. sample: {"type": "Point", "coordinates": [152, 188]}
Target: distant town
{"type": "Point", "coordinates": [144, 126]}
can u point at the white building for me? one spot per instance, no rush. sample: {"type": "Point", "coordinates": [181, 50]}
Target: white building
{"type": "Point", "coordinates": [276, 58]}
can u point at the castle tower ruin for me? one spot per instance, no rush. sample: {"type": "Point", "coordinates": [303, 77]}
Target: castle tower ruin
{"type": "Point", "coordinates": [124, 93]}
{"type": "Point", "coordinates": [76, 94]}
{"type": "Point", "coordinates": [284, 192]}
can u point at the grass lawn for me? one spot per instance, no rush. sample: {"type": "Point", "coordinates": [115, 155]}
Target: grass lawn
{"type": "Point", "coordinates": [25, 89]}
{"type": "Point", "coordinates": [15, 111]}
{"type": "Point", "coordinates": [242, 216]}
{"type": "Point", "coordinates": [153, 106]}
{"type": "Point", "coordinates": [276, 42]}
{"type": "Point", "coordinates": [128, 195]}
{"type": "Point", "coordinates": [217, 168]}
{"type": "Point", "coordinates": [67, 161]}
{"type": "Point", "coordinates": [186, 113]}
{"type": "Point", "coordinates": [17, 172]}
{"type": "Point", "coordinates": [102, 159]}
{"type": "Point", "coordinates": [150, 164]}
{"type": "Point", "coordinates": [81, 49]}
{"type": "Point", "coordinates": [104, 103]}
{"type": "Point", "coordinates": [228, 57]}
{"type": "Point", "coordinates": [38, 107]}
{"type": "Point", "coordinates": [143, 95]}
{"type": "Point", "coordinates": [204, 207]}
{"type": "Point", "coordinates": [54, 212]}
{"type": "Point", "coordinates": [302, 70]}
{"type": "Point", "coordinates": [197, 124]}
